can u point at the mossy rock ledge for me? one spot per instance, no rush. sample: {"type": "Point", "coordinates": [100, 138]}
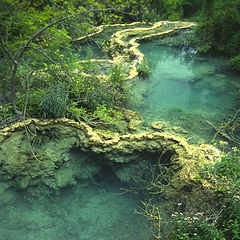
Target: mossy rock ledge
{"type": "Point", "coordinates": [57, 153]}
{"type": "Point", "coordinates": [125, 40]}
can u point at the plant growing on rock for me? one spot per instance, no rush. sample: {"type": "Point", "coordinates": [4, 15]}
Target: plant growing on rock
{"type": "Point", "coordinates": [221, 217]}
{"type": "Point", "coordinates": [143, 69]}
{"type": "Point", "coordinates": [194, 226]}
{"type": "Point", "coordinates": [54, 102]}
{"type": "Point", "coordinates": [235, 62]}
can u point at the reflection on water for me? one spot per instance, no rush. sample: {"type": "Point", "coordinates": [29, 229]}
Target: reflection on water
{"type": "Point", "coordinates": [186, 89]}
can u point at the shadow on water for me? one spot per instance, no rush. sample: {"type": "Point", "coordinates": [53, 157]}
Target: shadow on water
{"type": "Point", "coordinates": [93, 208]}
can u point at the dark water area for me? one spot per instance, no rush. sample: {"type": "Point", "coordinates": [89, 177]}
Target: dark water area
{"type": "Point", "coordinates": [85, 211]}
{"type": "Point", "coordinates": [187, 89]}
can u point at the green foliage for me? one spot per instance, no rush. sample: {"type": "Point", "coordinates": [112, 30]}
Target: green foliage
{"type": "Point", "coordinates": [50, 52]}
{"type": "Point", "coordinates": [228, 167]}
{"type": "Point", "coordinates": [77, 113]}
{"type": "Point", "coordinates": [102, 114]}
{"type": "Point", "coordinates": [94, 98]}
{"type": "Point", "coordinates": [225, 175]}
{"type": "Point", "coordinates": [235, 62]}
{"type": "Point", "coordinates": [221, 219]}
{"type": "Point", "coordinates": [117, 76]}
{"type": "Point", "coordinates": [105, 114]}
{"type": "Point", "coordinates": [143, 69]}
{"type": "Point", "coordinates": [176, 9]}
{"type": "Point", "coordinates": [33, 108]}
{"type": "Point", "coordinates": [54, 102]}
{"type": "Point", "coordinates": [194, 226]}
{"type": "Point", "coordinates": [6, 112]}
{"type": "Point", "coordinates": [220, 26]}
{"type": "Point", "coordinates": [90, 90]}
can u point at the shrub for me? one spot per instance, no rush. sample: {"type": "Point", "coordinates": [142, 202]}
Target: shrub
{"type": "Point", "coordinates": [105, 114]}
{"type": "Point", "coordinates": [77, 113]}
{"type": "Point", "coordinates": [90, 90]}
{"type": "Point", "coordinates": [117, 75]}
{"type": "Point", "coordinates": [227, 176]}
{"type": "Point", "coordinates": [194, 226]}
{"type": "Point", "coordinates": [235, 62]}
{"type": "Point", "coordinates": [33, 104]}
{"type": "Point", "coordinates": [54, 102]}
{"type": "Point", "coordinates": [143, 69]}
{"type": "Point", "coordinates": [6, 112]}
{"type": "Point", "coordinates": [102, 114]}
{"type": "Point", "coordinates": [221, 219]}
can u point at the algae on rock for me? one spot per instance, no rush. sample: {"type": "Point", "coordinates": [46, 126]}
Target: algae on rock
{"type": "Point", "coordinates": [65, 151]}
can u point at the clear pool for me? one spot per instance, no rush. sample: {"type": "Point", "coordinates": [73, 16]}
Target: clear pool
{"type": "Point", "coordinates": [83, 212]}
{"type": "Point", "coordinates": [186, 89]}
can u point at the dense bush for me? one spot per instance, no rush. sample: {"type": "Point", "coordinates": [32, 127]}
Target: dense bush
{"type": "Point", "coordinates": [235, 62]}
{"type": "Point", "coordinates": [194, 227]}
{"type": "Point", "coordinates": [221, 220]}
{"type": "Point", "coordinates": [143, 69]}
{"type": "Point", "coordinates": [54, 102]}
{"type": "Point", "coordinates": [220, 26]}
{"type": "Point", "coordinates": [227, 178]}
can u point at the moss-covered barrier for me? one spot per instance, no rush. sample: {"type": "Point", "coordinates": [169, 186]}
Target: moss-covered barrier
{"type": "Point", "coordinates": [123, 43]}
{"type": "Point", "coordinates": [57, 153]}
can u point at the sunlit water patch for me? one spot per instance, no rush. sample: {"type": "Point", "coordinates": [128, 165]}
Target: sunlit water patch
{"type": "Point", "coordinates": [186, 89]}
{"type": "Point", "coordinates": [84, 212]}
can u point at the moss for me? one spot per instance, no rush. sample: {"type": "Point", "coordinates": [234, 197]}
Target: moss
{"type": "Point", "coordinates": [123, 43]}
{"type": "Point", "coordinates": [55, 139]}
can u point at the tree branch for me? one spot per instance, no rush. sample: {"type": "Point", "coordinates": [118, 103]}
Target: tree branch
{"type": "Point", "coordinates": [49, 58]}
{"type": "Point", "coordinates": [21, 49]}
{"type": "Point", "coordinates": [8, 53]}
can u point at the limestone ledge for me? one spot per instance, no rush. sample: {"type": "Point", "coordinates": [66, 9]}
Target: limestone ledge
{"type": "Point", "coordinates": [100, 29]}
{"type": "Point", "coordinates": [53, 140]}
{"type": "Point", "coordinates": [124, 50]}
{"type": "Point", "coordinates": [130, 49]}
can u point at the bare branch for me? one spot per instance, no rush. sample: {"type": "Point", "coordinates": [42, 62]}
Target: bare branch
{"type": "Point", "coordinates": [21, 49]}
{"type": "Point", "coordinates": [8, 53]}
{"type": "Point", "coordinates": [49, 58]}
{"type": "Point", "coordinates": [43, 53]}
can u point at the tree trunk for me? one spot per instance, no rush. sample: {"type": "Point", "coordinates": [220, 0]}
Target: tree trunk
{"type": "Point", "coordinates": [13, 89]}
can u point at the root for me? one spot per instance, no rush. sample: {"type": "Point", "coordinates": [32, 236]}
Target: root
{"type": "Point", "coordinates": [228, 129]}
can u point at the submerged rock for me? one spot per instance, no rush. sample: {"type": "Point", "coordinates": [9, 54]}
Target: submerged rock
{"type": "Point", "coordinates": [158, 125]}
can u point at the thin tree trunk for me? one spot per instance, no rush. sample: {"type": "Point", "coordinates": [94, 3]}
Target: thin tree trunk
{"type": "Point", "coordinates": [13, 88]}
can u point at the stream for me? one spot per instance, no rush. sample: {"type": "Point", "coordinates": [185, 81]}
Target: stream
{"type": "Point", "coordinates": [186, 89]}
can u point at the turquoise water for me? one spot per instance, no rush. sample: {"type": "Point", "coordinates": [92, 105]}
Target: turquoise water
{"type": "Point", "coordinates": [83, 212]}
{"type": "Point", "coordinates": [186, 89]}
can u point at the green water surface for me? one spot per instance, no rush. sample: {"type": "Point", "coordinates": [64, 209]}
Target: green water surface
{"type": "Point", "coordinates": [186, 89]}
{"type": "Point", "coordinates": [83, 212]}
